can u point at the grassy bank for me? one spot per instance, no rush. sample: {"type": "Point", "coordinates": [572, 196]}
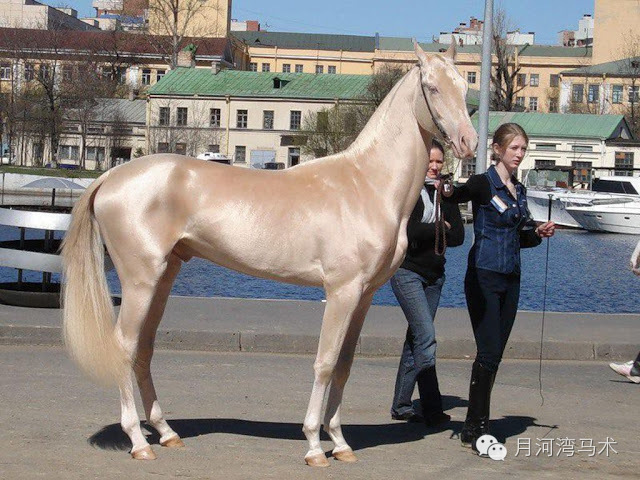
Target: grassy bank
{"type": "Point", "coordinates": [50, 172]}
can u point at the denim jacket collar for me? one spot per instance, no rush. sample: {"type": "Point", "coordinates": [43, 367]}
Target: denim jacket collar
{"type": "Point", "coordinates": [494, 176]}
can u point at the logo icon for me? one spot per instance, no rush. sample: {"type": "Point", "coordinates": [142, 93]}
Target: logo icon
{"type": "Point", "coordinates": [487, 445]}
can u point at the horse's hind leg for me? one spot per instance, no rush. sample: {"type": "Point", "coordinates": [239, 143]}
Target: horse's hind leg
{"type": "Point", "coordinates": [340, 307]}
{"type": "Point", "coordinates": [332, 423]}
{"type": "Point", "coordinates": [140, 281]}
{"type": "Point", "coordinates": [142, 366]}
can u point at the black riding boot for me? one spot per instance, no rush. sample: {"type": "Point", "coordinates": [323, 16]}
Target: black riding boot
{"type": "Point", "coordinates": [430, 398]}
{"type": "Point", "coordinates": [477, 422]}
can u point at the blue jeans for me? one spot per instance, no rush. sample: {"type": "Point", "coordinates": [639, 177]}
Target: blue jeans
{"type": "Point", "coordinates": [419, 301]}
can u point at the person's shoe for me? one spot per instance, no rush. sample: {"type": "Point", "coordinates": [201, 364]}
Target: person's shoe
{"type": "Point", "coordinates": [624, 369]}
{"type": "Point", "coordinates": [409, 417]}
{"type": "Point", "coordinates": [436, 419]}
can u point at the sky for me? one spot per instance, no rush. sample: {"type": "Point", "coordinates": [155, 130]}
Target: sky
{"type": "Point", "coordinates": [399, 18]}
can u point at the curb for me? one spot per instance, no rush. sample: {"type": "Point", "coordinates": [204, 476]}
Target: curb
{"type": "Point", "coordinates": [368, 346]}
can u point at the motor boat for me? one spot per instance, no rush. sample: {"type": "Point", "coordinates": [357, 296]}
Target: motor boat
{"type": "Point", "coordinates": [617, 191]}
{"type": "Point", "coordinates": [615, 215]}
{"type": "Point", "coordinates": [214, 157]}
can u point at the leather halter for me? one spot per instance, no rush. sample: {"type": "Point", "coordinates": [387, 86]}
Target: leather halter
{"type": "Point", "coordinates": [445, 137]}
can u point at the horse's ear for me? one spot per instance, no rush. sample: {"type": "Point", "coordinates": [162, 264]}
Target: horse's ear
{"type": "Point", "coordinates": [420, 54]}
{"type": "Point", "coordinates": [451, 51]}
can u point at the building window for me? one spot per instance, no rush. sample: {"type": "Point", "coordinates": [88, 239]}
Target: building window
{"type": "Point", "coordinates": [522, 79]}
{"type": "Point", "coordinates": [29, 72]}
{"type": "Point", "coordinates": [67, 73]}
{"type": "Point", "coordinates": [534, 80]}
{"type": "Point", "coordinates": [164, 117]}
{"type": "Point", "coordinates": [582, 148]}
{"type": "Point", "coordinates": [267, 119]}
{"type": "Point", "coordinates": [533, 104]}
{"type": "Point", "coordinates": [266, 67]}
{"type": "Point", "coordinates": [331, 69]}
{"type": "Point", "coordinates": [160, 74]}
{"type": "Point", "coordinates": [214, 148]}
{"type": "Point", "coordinates": [286, 67]}
{"type": "Point", "coordinates": [299, 68]}
{"type": "Point", "coordinates": [624, 164]}
{"type": "Point", "coordinates": [294, 156]}
{"type": "Point", "coordinates": [577, 93]}
{"type": "Point", "coordinates": [95, 153]}
{"type": "Point", "coordinates": [553, 105]}
{"type": "Point", "coordinates": [214, 117]}
{"type": "Point", "coordinates": [44, 71]}
{"type": "Point", "coordinates": [319, 69]}
{"type": "Point", "coordinates": [582, 172]}
{"type": "Point", "coordinates": [242, 118]}
{"type": "Point", "coordinates": [634, 94]}
{"type": "Point", "coordinates": [163, 147]}
{"type": "Point", "coordinates": [547, 147]}
{"type": "Point", "coordinates": [181, 148]}
{"type": "Point", "coordinates": [253, 67]}
{"type": "Point", "coordinates": [241, 154]}
{"type": "Point", "coordinates": [296, 119]}
{"type": "Point", "coordinates": [593, 93]}
{"type": "Point", "coordinates": [181, 118]}
{"type": "Point", "coordinates": [69, 152]}
{"type": "Point", "coordinates": [471, 77]}
{"type": "Point", "coordinates": [554, 80]}
{"type": "Point", "coordinates": [468, 167]}
{"type": "Point", "coordinates": [520, 102]}
{"type": "Point", "coordinates": [545, 163]}
{"type": "Point", "coordinates": [146, 76]}
{"type": "Point", "coordinates": [616, 94]}
{"type": "Point", "coordinates": [5, 71]}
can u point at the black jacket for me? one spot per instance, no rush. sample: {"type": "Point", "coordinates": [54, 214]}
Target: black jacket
{"type": "Point", "coordinates": [421, 257]}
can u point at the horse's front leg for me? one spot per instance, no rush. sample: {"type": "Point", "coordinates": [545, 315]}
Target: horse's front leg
{"type": "Point", "coordinates": [332, 423]}
{"type": "Point", "coordinates": [341, 305]}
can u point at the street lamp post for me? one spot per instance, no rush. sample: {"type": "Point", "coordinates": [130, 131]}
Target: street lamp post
{"type": "Point", "coordinates": [485, 88]}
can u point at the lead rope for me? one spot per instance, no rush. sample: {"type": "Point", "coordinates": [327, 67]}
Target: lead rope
{"type": "Point", "coordinates": [544, 303]}
{"type": "Point", "coordinates": [444, 188]}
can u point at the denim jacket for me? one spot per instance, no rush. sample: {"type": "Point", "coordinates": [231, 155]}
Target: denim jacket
{"type": "Point", "coordinates": [498, 228]}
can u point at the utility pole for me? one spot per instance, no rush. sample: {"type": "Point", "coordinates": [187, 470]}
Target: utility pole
{"type": "Point", "coordinates": [485, 88]}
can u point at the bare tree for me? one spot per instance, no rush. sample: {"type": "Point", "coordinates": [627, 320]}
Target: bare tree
{"type": "Point", "coordinates": [504, 76]}
{"type": "Point", "coordinates": [173, 22]}
{"type": "Point", "coordinates": [630, 69]}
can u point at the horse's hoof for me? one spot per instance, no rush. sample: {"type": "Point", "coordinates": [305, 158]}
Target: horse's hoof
{"type": "Point", "coordinates": [346, 456]}
{"type": "Point", "coordinates": [144, 454]}
{"type": "Point", "coordinates": [319, 460]}
{"type": "Point", "coordinates": [173, 442]}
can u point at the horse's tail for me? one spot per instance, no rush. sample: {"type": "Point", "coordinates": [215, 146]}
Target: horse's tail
{"type": "Point", "coordinates": [88, 316]}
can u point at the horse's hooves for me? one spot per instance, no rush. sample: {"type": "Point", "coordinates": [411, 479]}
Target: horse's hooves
{"type": "Point", "coordinates": [319, 460]}
{"type": "Point", "coordinates": [144, 454]}
{"type": "Point", "coordinates": [346, 456]}
{"type": "Point", "coordinates": [173, 442]}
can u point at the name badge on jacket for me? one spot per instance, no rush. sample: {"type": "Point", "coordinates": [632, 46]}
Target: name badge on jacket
{"type": "Point", "coordinates": [499, 204]}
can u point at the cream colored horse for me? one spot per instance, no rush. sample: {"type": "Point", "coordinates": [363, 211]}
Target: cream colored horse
{"type": "Point", "coordinates": [635, 260]}
{"type": "Point", "coordinates": [338, 222]}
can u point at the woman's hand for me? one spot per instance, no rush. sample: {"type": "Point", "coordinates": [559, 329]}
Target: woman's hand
{"type": "Point", "coordinates": [635, 260]}
{"type": "Point", "coordinates": [546, 230]}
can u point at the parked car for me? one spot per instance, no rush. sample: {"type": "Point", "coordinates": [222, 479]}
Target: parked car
{"type": "Point", "coordinates": [214, 157]}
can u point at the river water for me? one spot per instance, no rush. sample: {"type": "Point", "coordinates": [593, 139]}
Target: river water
{"type": "Point", "coordinates": [588, 272]}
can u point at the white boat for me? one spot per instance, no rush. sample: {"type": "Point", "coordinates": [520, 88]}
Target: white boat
{"type": "Point", "coordinates": [606, 190]}
{"type": "Point", "coordinates": [620, 215]}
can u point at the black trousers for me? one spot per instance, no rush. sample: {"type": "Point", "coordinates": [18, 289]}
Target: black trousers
{"type": "Point", "coordinates": [492, 301]}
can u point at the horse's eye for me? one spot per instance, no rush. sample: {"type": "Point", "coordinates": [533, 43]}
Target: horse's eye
{"type": "Point", "coordinates": [432, 89]}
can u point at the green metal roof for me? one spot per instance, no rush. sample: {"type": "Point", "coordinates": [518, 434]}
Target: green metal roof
{"type": "Point", "coordinates": [201, 81]}
{"type": "Point", "coordinates": [406, 44]}
{"type": "Point", "coordinates": [559, 125]}
{"type": "Point", "coordinates": [311, 41]}
{"type": "Point", "coordinates": [617, 68]}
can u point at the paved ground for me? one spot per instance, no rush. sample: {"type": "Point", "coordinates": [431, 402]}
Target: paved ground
{"type": "Point", "coordinates": [240, 415]}
{"type": "Point", "coordinates": [285, 326]}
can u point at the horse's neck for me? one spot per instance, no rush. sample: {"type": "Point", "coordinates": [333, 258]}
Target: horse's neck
{"type": "Point", "coordinates": [392, 148]}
